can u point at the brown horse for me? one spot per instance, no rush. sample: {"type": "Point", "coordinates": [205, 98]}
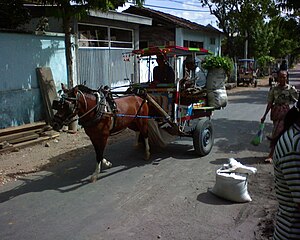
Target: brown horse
{"type": "Point", "coordinates": [99, 120]}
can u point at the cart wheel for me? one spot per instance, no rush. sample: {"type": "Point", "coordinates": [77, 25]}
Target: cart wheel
{"type": "Point", "coordinates": [203, 138]}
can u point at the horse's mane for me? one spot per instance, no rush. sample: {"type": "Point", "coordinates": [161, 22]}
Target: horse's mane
{"type": "Point", "coordinates": [85, 89]}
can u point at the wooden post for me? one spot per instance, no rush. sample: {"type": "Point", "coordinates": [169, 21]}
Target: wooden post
{"type": "Point", "coordinates": [175, 129]}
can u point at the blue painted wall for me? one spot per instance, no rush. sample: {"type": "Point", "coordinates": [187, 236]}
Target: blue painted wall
{"type": "Point", "coordinates": [20, 95]}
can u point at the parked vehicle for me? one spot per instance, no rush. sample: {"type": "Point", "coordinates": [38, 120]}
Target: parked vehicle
{"type": "Point", "coordinates": [247, 72]}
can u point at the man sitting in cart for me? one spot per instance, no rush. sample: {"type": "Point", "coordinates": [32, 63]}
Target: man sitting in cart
{"type": "Point", "coordinates": [194, 76]}
{"type": "Point", "coordinates": [163, 73]}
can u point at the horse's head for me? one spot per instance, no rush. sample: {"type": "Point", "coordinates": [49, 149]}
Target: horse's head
{"type": "Point", "coordinates": [88, 104]}
{"type": "Point", "coordinates": [66, 107]}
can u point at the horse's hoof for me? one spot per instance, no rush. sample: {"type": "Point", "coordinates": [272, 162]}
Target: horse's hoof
{"type": "Point", "coordinates": [136, 145]}
{"type": "Point", "coordinates": [93, 179]}
{"type": "Point", "coordinates": [106, 164]}
{"type": "Point", "coordinates": [147, 158]}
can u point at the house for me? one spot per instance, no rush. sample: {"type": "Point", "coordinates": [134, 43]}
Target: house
{"type": "Point", "coordinates": [99, 40]}
{"type": "Point", "coordinates": [167, 29]}
{"type": "Point", "coordinates": [170, 30]}
{"type": "Point", "coordinates": [103, 38]}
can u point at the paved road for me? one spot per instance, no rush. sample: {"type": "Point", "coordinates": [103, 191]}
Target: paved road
{"type": "Point", "coordinates": [165, 199]}
{"type": "Point", "coordinates": [294, 77]}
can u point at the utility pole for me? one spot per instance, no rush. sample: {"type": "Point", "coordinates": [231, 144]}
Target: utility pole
{"type": "Point", "coordinates": [246, 45]}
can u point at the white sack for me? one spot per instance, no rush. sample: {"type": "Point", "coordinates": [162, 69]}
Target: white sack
{"type": "Point", "coordinates": [217, 98]}
{"type": "Point", "coordinates": [237, 167]}
{"type": "Point", "coordinates": [231, 186]}
{"type": "Point", "coordinates": [231, 181]}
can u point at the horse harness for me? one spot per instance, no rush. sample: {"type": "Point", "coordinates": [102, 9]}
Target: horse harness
{"type": "Point", "coordinates": [105, 105]}
{"type": "Point", "coordinates": [99, 109]}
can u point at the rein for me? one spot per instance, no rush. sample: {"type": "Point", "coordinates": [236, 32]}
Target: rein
{"type": "Point", "coordinates": [136, 116]}
{"type": "Point", "coordinates": [99, 108]}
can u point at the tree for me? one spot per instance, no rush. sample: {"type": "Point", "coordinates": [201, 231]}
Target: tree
{"type": "Point", "coordinates": [241, 21]}
{"type": "Point", "coordinates": [291, 28]}
{"type": "Point", "coordinates": [13, 14]}
{"type": "Point", "coordinates": [78, 9]}
{"type": "Point", "coordinates": [290, 4]}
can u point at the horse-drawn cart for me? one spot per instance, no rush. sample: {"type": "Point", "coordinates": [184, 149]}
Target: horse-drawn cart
{"type": "Point", "coordinates": [175, 109]}
{"type": "Point", "coordinates": [155, 112]}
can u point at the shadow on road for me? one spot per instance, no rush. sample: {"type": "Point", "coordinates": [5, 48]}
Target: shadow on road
{"type": "Point", "coordinates": [260, 97]}
{"type": "Point", "coordinates": [72, 170]}
{"type": "Point", "coordinates": [211, 199]}
{"type": "Point", "coordinates": [234, 136]}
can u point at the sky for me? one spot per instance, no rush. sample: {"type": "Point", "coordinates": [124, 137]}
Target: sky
{"type": "Point", "coordinates": [187, 9]}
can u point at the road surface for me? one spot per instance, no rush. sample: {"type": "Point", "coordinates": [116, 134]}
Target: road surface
{"type": "Point", "coordinates": [167, 198]}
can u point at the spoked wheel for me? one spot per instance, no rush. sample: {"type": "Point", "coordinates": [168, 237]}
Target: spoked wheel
{"type": "Point", "coordinates": [203, 138]}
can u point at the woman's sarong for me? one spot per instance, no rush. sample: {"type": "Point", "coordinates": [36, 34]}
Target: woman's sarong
{"type": "Point", "coordinates": [278, 113]}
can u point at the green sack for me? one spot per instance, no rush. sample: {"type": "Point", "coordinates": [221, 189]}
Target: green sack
{"type": "Point", "coordinates": [259, 135]}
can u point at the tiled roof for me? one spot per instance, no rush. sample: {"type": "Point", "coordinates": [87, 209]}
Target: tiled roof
{"type": "Point", "coordinates": [177, 21]}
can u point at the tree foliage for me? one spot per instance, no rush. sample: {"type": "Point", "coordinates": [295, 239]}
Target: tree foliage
{"type": "Point", "coordinates": [290, 4]}
{"type": "Point", "coordinates": [242, 20]}
{"type": "Point", "coordinates": [259, 23]}
{"type": "Point", "coordinates": [13, 14]}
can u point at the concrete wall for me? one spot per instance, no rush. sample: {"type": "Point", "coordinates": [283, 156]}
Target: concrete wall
{"type": "Point", "coordinates": [185, 34]}
{"type": "Point", "coordinates": [21, 54]}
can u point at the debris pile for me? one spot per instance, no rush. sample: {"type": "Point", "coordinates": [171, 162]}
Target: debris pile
{"type": "Point", "coordinates": [14, 138]}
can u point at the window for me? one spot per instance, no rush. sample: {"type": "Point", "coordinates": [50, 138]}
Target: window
{"type": "Point", "coordinates": [192, 44]}
{"type": "Point", "coordinates": [144, 44]}
{"type": "Point", "coordinates": [100, 36]}
{"type": "Point", "coordinates": [212, 41]}
{"type": "Point", "coordinates": [93, 36]}
{"type": "Point", "coordinates": [121, 38]}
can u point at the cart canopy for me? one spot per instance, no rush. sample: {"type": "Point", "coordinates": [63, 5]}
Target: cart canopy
{"type": "Point", "coordinates": [170, 51]}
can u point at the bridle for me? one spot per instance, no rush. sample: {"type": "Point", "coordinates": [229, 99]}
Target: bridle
{"type": "Point", "coordinates": [99, 108]}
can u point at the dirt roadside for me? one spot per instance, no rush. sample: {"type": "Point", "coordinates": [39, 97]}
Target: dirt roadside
{"type": "Point", "coordinates": [34, 158]}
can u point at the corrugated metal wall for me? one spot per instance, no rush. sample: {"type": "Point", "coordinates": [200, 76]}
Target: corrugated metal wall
{"type": "Point", "coordinates": [21, 54]}
{"type": "Point", "coordinates": [104, 67]}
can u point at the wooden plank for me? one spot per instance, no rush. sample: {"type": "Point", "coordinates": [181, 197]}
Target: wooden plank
{"type": "Point", "coordinates": [4, 144]}
{"type": "Point", "coordinates": [25, 138]}
{"type": "Point", "coordinates": [14, 136]}
{"type": "Point", "coordinates": [25, 127]}
{"type": "Point", "coordinates": [49, 133]}
{"type": "Point", "coordinates": [48, 90]}
{"type": "Point", "coordinates": [28, 143]}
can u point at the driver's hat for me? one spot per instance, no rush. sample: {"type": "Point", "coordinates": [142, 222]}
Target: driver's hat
{"type": "Point", "coordinates": [160, 57]}
{"type": "Point", "coordinates": [190, 59]}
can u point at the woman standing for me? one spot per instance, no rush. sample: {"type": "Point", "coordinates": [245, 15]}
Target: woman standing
{"type": "Point", "coordinates": [279, 99]}
{"type": "Point", "coordinates": [287, 174]}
